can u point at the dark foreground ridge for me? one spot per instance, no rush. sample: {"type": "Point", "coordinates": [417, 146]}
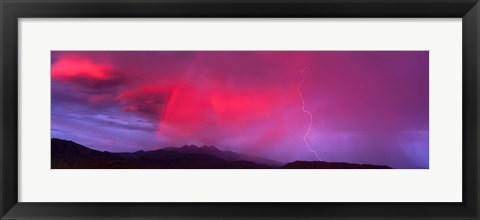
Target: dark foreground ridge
{"type": "Point", "coordinates": [330, 165]}
{"type": "Point", "coordinates": [70, 155]}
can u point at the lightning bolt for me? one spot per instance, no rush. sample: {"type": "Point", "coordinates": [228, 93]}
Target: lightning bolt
{"type": "Point", "coordinates": [310, 115]}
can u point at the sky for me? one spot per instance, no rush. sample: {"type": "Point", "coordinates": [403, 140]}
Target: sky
{"type": "Point", "coordinates": [339, 106]}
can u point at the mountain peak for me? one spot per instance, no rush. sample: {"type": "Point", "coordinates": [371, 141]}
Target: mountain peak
{"type": "Point", "coordinates": [210, 148]}
{"type": "Point", "coordinates": [189, 147]}
{"type": "Point", "coordinates": [195, 149]}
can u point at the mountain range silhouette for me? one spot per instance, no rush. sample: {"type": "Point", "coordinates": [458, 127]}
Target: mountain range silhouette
{"type": "Point", "coordinates": [70, 155]}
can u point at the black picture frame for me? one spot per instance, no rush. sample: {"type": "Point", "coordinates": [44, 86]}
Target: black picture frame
{"type": "Point", "coordinates": [12, 10]}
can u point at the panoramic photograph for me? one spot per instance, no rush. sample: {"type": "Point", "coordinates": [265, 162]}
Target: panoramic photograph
{"type": "Point", "coordinates": [239, 109]}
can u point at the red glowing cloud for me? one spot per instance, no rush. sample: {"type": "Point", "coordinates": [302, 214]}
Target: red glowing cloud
{"type": "Point", "coordinates": [87, 73]}
{"type": "Point", "coordinates": [209, 112]}
{"type": "Point", "coordinates": [78, 68]}
{"type": "Point", "coordinates": [148, 100]}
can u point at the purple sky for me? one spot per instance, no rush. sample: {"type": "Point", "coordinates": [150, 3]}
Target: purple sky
{"type": "Point", "coordinates": [367, 107]}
